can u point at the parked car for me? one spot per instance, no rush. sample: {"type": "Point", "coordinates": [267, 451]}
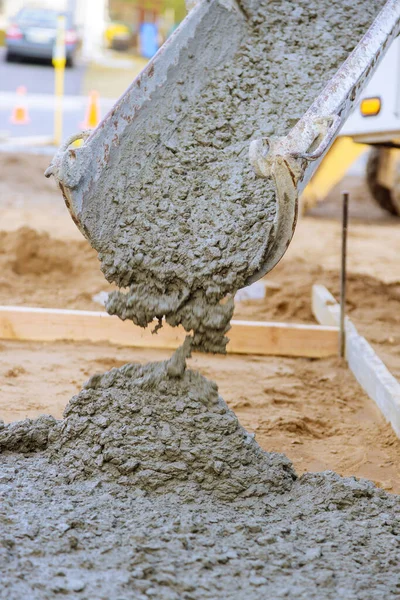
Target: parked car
{"type": "Point", "coordinates": [118, 36]}
{"type": "Point", "coordinates": [32, 34]}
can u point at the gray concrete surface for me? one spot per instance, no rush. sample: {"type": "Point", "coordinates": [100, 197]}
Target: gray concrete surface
{"type": "Point", "coordinates": [149, 488]}
{"type": "Point", "coordinates": [37, 77]}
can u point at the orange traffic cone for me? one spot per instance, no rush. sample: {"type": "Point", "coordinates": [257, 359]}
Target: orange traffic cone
{"type": "Point", "coordinates": [20, 112]}
{"type": "Point", "coordinates": [92, 117]}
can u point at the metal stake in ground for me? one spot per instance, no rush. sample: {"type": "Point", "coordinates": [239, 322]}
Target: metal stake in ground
{"type": "Point", "coordinates": [343, 274]}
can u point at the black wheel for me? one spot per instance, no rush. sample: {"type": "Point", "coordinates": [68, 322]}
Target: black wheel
{"type": "Point", "coordinates": [70, 62]}
{"type": "Point", "coordinates": [10, 57]}
{"type": "Point", "coordinates": [381, 194]}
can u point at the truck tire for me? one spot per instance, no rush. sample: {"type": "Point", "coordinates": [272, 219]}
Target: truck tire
{"type": "Point", "coordinates": [381, 194]}
{"type": "Point", "coordinates": [10, 57]}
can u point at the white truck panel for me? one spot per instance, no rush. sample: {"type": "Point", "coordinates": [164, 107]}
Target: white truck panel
{"type": "Point", "coordinates": [385, 84]}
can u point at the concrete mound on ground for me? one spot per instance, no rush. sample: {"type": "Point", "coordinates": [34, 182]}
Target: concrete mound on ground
{"type": "Point", "coordinates": [150, 488]}
{"type": "Point", "coordinates": [140, 426]}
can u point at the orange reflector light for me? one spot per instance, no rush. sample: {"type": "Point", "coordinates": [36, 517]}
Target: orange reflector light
{"type": "Point", "coordinates": [370, 107]}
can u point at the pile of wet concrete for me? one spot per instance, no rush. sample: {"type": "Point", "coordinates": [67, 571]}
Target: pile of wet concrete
{"type": "Point", "coordinates": [150, 488]}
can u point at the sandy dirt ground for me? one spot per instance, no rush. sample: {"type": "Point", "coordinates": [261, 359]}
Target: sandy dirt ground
{"type": "Point", "coordinates": [312, 410]}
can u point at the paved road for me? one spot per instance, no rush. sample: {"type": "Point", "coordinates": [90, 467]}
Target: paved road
{"type": "Point", "coordinates": [40, 109]}
{"type": "Point", "coordinates": [37, 77]}
{"type": "Point", "coordinates": [39, 81]}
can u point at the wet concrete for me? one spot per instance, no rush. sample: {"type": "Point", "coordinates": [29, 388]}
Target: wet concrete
{"type": "Point", "coordinates": [178, 214]}
{"type": "Point", "coordinates": [150, 488]}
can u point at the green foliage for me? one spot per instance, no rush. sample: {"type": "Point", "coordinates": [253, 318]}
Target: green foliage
{"type": "Point", "coordinates": [179, 8]}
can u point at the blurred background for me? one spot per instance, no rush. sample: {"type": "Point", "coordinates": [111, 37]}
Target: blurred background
{"type": "Point", "coordinates": [56, 81]}
{"type": "Point", "coordinates": [107, 43]}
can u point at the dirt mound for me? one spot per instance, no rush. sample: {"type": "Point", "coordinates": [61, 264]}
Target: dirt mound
{"type": "Point", "coordinates": [39, 270]}
{"type": "Point", "coordinates": [29, 252]}
{"type": "Point", "coordinates": [302, 426]}
{"type": "Point", "coordinates": [37, 254]}
{"type": "Point", "coordinates": [288, 294]}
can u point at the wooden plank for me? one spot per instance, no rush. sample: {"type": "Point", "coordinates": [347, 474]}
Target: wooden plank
{"type": "Point", "coordinates": [247, 337]}
{"type": "Point", "coordinates": [369, 370]}
{"type": "Point", "coordinates": [49, 324]}
{"type": "Point", "coordinates": [282, 339]}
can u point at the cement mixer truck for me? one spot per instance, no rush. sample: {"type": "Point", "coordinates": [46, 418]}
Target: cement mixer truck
{"type": "Point", "coordinates": [373, 127]}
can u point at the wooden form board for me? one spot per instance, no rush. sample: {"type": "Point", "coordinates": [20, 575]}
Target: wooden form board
{"type": "Point", "coordinates": [246, 337]}
{"type": "Point", "coordinates": [370, 372]}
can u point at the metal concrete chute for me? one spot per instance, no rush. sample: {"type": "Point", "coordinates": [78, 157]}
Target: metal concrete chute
{"type": "Point", "coordinates": [120, 155]}
{"type": "Point", "coordinates": [188, 51]}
